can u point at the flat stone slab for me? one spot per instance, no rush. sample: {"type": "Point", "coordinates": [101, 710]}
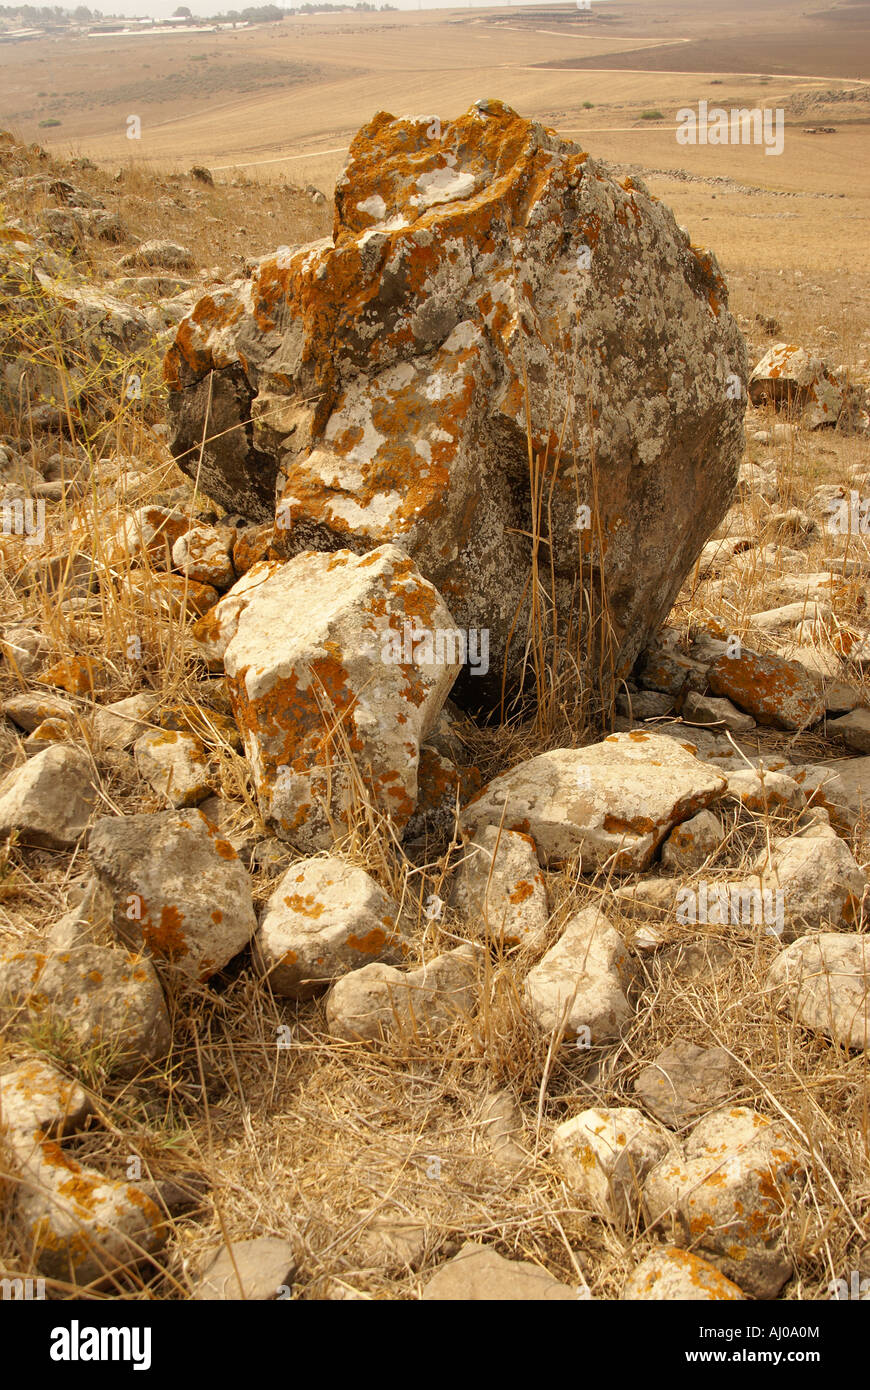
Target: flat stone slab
{"type": "Point", "coordinates": [480, 1275]}
{"type": "Point", "coordinates": [612, 803]}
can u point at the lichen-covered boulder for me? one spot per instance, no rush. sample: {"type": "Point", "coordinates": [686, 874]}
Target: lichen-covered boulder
{"type": "Point", "coordinates": [324, 918]}
{"type": "Point", "coordinates": [670, 1274]}
{"type": "Point", "coordinates": [612, 802]}
{"type": "Point", "coordinates": [337, 669]}
{"type": "Point", "coordinates": [38, 1101]}
{"type": "Point", "coordinates": [71, 1223]}
{"type": "Point", "coordinates": [728, 1196]}
{"type": "Point", "coordinates": [499, 887]}
{"type": "Point", "coordinates": [605, 1153]}
{"type": "Point", "coordinates": [487, 286]}
{"type": "Point", "coordinates": [773, 690]}
{"type": "Point", "coordinates": [79, 1226]}
{"type": "Point", "coordinates": [788, 376]}
{"type": "Point", "coordinates": [101, 998]}
{"type": "Point", "coordinates": [177, 888]}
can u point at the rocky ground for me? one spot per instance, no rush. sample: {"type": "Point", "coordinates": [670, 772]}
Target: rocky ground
{"type": "Point", "coordinates": [574, 1003]}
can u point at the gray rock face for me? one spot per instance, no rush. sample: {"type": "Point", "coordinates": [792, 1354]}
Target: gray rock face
{"type": "Point", "coordinates": [685, 1081]}
{"type": "Point", "coordinates": [374, 382]}
{"type": "Point", "coordinates": [853, 782]}
{"type": "Point", "coordinates": [824, 982]}
{"type": "Point", "coordinates": [706, 709]}
{"type": "Point", "coordinates": [50, 799]}
{"type": "Point", "coordinates": [853, 729]}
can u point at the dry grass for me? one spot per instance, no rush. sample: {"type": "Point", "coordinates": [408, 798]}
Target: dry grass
{"type": "Point", "coordinates": [328, 1138]}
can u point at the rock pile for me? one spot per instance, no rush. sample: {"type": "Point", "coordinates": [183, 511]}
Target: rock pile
{"type": "Point", "coordinates": [369, 406]}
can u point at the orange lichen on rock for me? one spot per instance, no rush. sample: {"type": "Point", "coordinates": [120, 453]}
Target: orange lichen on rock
{"type": "Point", "coordinates": [773, 690]}
{"type": "Point", "coordinates": [327, 686]}
{"type": "Point", "coordinates": [80, 675]}
{"type": "Point", "coordinates": [382, 380]}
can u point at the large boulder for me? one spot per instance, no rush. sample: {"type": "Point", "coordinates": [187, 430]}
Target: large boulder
{"type": "Point", "coordinates": [489, 297]}
{"type": "Point", "coordinates": [774, 691]}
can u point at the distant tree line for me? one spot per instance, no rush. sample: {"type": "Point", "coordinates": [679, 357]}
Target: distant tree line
{"type": "Point", "coordinates": [48, 14]}
{"type": "Point", "coordinates": [269, 14]}
{"type": "Point", "coordinates": [35, 15]}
